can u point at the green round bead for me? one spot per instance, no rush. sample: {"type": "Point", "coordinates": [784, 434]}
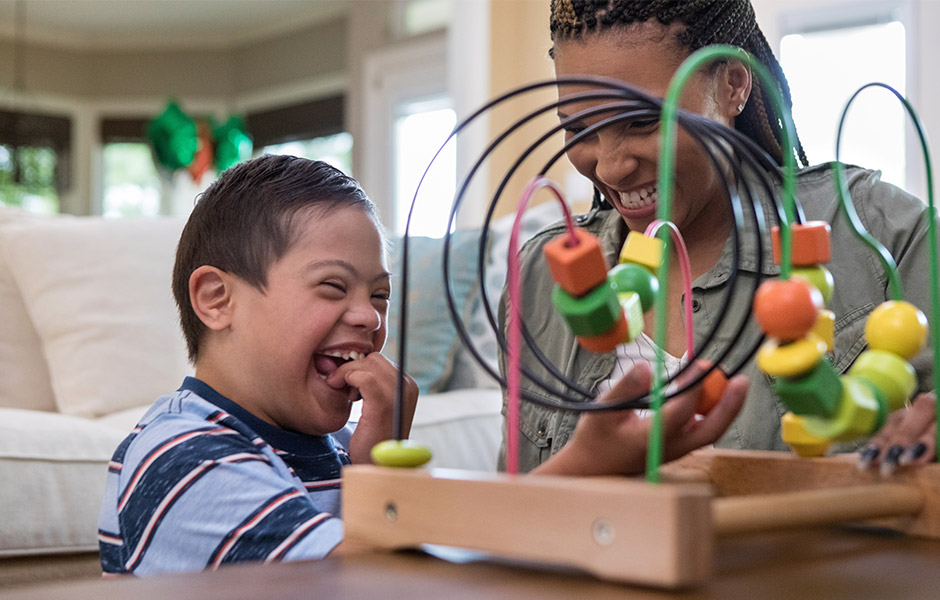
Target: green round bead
{"type": "Point", "coordinates": [889, 373]}
{"type": "Point", "coordinates": [819, 277]}
{"type": "Point", "coordinates": [400, 453]}
{"type": "Point", "coordinates": [635, 278]}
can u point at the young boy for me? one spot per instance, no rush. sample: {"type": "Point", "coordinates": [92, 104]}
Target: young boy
{"type": "Point", "coordinates": [282, 290]}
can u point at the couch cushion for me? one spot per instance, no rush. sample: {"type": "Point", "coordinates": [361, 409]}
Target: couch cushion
{"type": "Point", "coordinates": [53, 471]}
{"type": "Point", "coordinates": [432, 337]}
{"type": "Point", "coordinates": [98, 292]}
{"type": "Point", "coordinates": [25, 375]}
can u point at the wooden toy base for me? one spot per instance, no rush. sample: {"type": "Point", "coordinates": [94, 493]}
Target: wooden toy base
{"type": "Point", "coordinates": [624, 529]}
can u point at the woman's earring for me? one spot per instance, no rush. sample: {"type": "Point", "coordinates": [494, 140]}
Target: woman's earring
{"type": "Point", "coordinates": [740, 108]}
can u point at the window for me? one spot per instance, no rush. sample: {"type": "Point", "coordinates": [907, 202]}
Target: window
{"type": "Point", "coordinates": [419, 131]}
{"type": "Point", "coordinates": [825, 65]}
{"type": "Point", "coordinates": [34, 165]}
{"type": "Point", "coordinates": [131, 184]}
{"type": "Point", "coordinates": [333, 149]}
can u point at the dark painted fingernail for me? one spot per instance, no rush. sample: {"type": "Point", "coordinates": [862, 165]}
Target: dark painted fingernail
{"type": "Point", "coordinates": [913, 453]}
{"type": "Point", "coordinates": [890, 463]}
{"type": "Point", "coordinates": [868, 454]}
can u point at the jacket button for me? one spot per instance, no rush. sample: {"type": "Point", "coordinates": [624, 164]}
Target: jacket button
{"type": "Point", "coordinates": [541, 430]}
{"type": "Point", "coordinates": [696, 305]}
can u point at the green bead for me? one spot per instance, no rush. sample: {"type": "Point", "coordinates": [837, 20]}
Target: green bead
{"type": "Point", "coordinates": [816, 392]}
{"type": "Point", "coordinates": [889, 373]}
{"type": "Point", "coordinates": [635, 278]}
{"type": "Point", "coordinates": [593, 314]}
{"type": "Point", "coordinates": [400, 453]}
{"type": "Point", "coordinates": [858, 414]}
{"type": "Point", "coordinates": [819, 277]}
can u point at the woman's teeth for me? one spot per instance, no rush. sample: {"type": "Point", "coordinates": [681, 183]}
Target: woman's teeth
{"type": "Point", "coordinates": [640, 198]}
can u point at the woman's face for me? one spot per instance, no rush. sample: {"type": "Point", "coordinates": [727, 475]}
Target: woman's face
{"type": "Point", "coordinates": [622, 159]}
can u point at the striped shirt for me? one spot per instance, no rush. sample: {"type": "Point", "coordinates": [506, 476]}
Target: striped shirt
{"type": "Point", "coordinates": [201, 482]}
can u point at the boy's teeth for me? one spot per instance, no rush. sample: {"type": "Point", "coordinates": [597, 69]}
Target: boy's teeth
{"type": "Point", "coordinates": [347, 355]}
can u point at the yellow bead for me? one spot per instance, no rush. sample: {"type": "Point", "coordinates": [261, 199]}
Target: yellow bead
{"type": "Point", "coordinates": [642, 250]}
{"type": "Point", "coordinates": [825, 328]}
{"type": "Point", "coordinates": [857, 417]}
{"type": "Point", "coordinates": [400, 453]}
{"type": "Point", "coordinates": [819, 277]}
{"type": "Point", "coordinates": [801, 441]}
{"type": "Point", "coordinates": [792, 359]}
{"type": "Point", "coordinates": [896, 326]}
{"type": "Point", "coordinates": [893, 376]}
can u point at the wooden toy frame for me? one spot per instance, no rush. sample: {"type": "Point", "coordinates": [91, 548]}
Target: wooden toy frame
{"type": "Point", "coordinates": [627, 530]}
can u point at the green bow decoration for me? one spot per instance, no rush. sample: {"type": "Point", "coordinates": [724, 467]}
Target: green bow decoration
{"type": "Point", "coordinates": [173, 137]}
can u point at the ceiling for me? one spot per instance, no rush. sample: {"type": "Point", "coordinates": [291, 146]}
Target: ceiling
{"type": "Point", "coordinates": [163, 24]}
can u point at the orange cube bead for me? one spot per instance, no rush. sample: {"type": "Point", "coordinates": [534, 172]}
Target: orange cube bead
{"type": "Point", "coordinates": [810, 244]}
{"type": "Point", "coordinates": [577, 269]}
{"type": "Point", "coordinates": [608, 341]}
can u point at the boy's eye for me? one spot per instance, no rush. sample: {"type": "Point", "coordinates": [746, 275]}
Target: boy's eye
{"type": "Point", "coordinates": [381, 296]}
{"type": "Point", "coordinates": [334, 285]}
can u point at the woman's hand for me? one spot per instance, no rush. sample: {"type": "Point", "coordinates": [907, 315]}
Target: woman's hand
{"type": "Point", "coordinates": [615, 442]}
{"type": "Point", "coordinates": [909, 437]}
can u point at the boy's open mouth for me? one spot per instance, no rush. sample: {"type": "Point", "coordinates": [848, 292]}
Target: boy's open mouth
{"type": "Point", "coordinates": [327, 362]}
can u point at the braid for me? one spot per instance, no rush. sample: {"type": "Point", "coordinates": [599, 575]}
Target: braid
{"type": "Point", "coordinates": [706, 22]}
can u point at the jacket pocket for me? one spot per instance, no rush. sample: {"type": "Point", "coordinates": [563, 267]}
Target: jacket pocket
{"type": "Point", "coordinates": [850, 337]}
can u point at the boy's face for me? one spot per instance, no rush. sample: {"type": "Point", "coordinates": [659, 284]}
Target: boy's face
{"type": "Point", "coordinates": [326, 298]}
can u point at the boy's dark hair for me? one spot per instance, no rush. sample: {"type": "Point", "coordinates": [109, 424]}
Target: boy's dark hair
{"type": "Point", "coordinates": [242, 223]}
{"type": "Point", "coordinates": [706, 22]}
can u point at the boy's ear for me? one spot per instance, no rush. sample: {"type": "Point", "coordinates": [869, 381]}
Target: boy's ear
{"type": "Point", "coordinates": [210, 294]}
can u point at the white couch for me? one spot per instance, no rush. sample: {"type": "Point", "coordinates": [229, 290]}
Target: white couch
{"type": "Point", "coordinates": [89, 338]}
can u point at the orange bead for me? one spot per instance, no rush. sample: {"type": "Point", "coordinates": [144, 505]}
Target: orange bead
{"type": "Point", "coordinates": [787, 309]}
{"type": "Point", "coordinates": [713, 388]}
{"type": "Point", "coordinates": [577, 269]}
{"type": "Point", "coordinates": [608, 341]}
{"type": "Point", "coordinates": [809, 244]}
{"type": "Point", "coordinates": [898, 327]}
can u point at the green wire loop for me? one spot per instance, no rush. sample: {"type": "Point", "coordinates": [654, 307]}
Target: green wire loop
{"type": "Point", "coordinates": [667, 151]}
{"type": "Point", "coordinates": [886, 258]}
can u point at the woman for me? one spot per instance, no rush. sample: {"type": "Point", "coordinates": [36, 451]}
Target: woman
{"type": "Point", "coordinates": [643, 43]}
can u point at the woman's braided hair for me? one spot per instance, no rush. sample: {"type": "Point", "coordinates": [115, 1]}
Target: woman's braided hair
{"type": "Point", "coordinates": [706, 22]}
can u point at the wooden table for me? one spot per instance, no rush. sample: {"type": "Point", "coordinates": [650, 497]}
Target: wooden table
{"type": "Point", "coordinates": [830, 563]}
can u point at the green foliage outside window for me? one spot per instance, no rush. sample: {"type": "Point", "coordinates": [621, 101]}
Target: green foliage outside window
{"type": "Point", "coordinates": [34, 189]}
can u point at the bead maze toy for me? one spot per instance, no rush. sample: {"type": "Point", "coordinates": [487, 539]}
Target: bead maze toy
{"type": "Point", "coordinates": [662, 531]}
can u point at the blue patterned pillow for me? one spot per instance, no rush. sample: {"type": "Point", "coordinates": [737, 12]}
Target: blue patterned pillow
{"type": "Point", "coordinates": [432, 337]}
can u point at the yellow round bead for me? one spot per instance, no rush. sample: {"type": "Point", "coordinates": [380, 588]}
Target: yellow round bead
{"type": "Point", "coordinates": [896, 326]}
{"type": "Point", "coordinates": [858, 414]}
{"type": "Point", "coordinates": [791, 359]}
{"type": "Point", "coordinates": [893, 376]}
{"type": "Point", "coordinates": [802, 442]}
{"type": "Point", "coordinates": [400, 453]}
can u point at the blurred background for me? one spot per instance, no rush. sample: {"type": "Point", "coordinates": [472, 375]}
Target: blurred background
{"type": "Point", "coordinates": [374, 87]}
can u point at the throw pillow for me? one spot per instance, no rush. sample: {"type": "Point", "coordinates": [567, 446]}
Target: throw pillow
{"type": "Point", "coordinates": [98, 292]}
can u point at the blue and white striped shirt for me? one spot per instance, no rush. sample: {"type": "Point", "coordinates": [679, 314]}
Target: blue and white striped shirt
{"type": "Point", "coordinates": [201, 482]}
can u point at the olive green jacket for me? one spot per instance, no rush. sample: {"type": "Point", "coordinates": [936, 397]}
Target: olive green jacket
{"type": "Point", "coordinates": [892, 216]}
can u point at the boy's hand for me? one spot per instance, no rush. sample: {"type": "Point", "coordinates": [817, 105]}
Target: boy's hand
{"type": "Point", "coordinates": [615, 442]}
{"type": "Point", "coordinates": [375, 379]}
{"type": "Point", "coordinates": [909, 437]}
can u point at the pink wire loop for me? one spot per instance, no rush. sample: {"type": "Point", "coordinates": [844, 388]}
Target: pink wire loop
{"type": "Point", "coordinates": [514, 315]}
{"type": "Point", "coordinates": [685, 267]}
